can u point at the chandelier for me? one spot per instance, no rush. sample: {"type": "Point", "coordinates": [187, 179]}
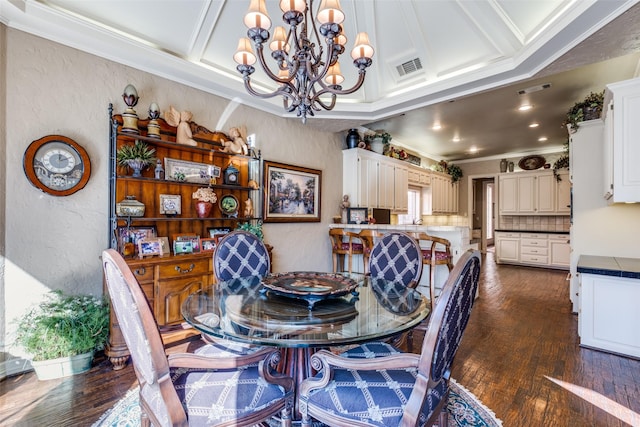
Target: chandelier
{"type": "Point", "coordinates": [304, 71]}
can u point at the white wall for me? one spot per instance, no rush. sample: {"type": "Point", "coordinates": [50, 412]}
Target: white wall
{"type": "Point", "coordinates": [598, 228]}
{"type": "Point", "coordinates": [55, 242]}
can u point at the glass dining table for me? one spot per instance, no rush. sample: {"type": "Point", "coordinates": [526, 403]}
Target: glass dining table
{"type": "Point", "coordinates": [300, 312]}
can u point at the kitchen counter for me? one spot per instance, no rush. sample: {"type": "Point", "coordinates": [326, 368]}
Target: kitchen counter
{"type": "Point", "coordinates": [609, 266]}
{"type": "Point", "coordinates": [506, 230]}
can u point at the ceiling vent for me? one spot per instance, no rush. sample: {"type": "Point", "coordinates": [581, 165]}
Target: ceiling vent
{"type": "Point", "coordinates": [534, 89]}
{"type": "Point", "coordinates": [409, 67]}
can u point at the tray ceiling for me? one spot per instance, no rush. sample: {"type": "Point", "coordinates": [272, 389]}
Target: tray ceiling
{"type": "Point", "coordinates": [427, 52]}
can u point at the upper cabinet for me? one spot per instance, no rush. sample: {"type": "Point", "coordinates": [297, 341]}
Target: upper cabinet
{"type": "Point", "coordinates": [622, 151]}
{"type": "Point", "coordinates": [534, 193]}
{"type": "Point", "coordinates": [444, 194]}
{"type": "Point", "coordinates": [375, 181]}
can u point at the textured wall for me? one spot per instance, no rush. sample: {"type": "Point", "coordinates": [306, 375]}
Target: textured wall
{"type": "Point", "coordinates": [55, 242]}
{"type": "Point", "coordinates": [3, 189]}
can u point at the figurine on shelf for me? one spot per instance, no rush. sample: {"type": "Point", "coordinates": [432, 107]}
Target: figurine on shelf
{"type": "Point", "coordinates": [248, 208]}
{"type": "Point", "coordinates": [237, 145]}
{"type": "Point", "coordinates": [181, 121]}
{"type": "Point", "coordinates": [345, 202]}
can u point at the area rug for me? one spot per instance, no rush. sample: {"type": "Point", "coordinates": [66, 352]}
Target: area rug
{"type": "Point", "coordinates": [464, 410]}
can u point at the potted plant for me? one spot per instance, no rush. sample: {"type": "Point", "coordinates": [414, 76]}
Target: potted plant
{"type": "Point", "coordinates": [455, 172]}
{"type": "Point", "coordinates": [252, 228]}
{"type": "Point", "coordinates": [62, 333]}
{"type": "Point", "coordinates": [378, 140]}
{"type": "Point", "coordinates": [589, 108]}
{"type": "Point", "coordinates": [137, 156]}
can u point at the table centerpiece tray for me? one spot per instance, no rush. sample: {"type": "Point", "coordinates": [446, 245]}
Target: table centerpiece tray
{"type": "Point", "coordinates": [310, 286]}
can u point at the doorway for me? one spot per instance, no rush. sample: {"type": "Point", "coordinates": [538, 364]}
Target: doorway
{"type": "Point", "coordinates": [483, 211]}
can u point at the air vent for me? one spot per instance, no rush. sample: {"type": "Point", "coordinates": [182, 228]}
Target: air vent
{"type": "Point", "coordinates": [409, 67]}
{"type": "Point", "coordinates": [534, 88]}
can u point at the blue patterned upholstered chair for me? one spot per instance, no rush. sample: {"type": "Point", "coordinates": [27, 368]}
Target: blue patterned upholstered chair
{"type": "Point", "coordinates": [240, 254]}
{"type": "Point", "coordinates": [396, 257]}
{"type": "Point", "coordinates": [376, 385]}
{"type": "Point", "coordinates": [192, 389]}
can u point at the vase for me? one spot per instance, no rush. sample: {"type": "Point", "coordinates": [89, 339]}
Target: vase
{"type": "Point", "coordinates": [137, 165]}
{"type": "Point", "coordinates": [511, 166]}
{"type": "Point", "coordinates": [377, 145]}
{"type": "Point", "coordinates": [63, 366]}
{"type": "Point", "coordinates": [353, 138]}
{"type": "Point", "coordinates": [203, 209]}
{"type": "Point", "coordinates": [503, 165]}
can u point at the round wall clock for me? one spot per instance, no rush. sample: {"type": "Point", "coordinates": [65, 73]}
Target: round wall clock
{"type": "Point", "coordinates": [57, 165]}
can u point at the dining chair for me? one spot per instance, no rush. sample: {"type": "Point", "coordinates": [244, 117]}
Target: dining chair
{"type": "Point", "coordinates": [192, 389]}
{"type": "Point", "coordinates": [377, 385]}
{"type": "Point", "coordinates": [397, 257]}
{"type": "Point", "coordinates": [435, 251]}
{"type": "Point", "coordinates": [240, 254]}
{"type": "Point", "coordinates": [344, 244]}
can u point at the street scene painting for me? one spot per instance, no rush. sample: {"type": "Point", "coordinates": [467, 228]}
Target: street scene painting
{"type": "Point", "coordinates": [292, 193]}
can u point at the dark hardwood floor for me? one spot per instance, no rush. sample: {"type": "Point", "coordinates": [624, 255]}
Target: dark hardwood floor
{"type": "Point", "coordinates": [521, 336]}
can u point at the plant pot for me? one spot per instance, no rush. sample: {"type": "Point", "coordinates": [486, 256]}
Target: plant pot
{"type": "Point", "coordinates": [203, 209]}
{"type": "Point", "coordinates": [377, 145]}
{"type": "Point", "coordinates": [63, 366]}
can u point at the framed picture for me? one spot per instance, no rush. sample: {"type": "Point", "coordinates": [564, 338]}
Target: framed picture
{"type": "Point", "coordinates": [357, 215]}
{"type": "Point", "coordinates": [164, 242]}
{"type": "Point", "coordinates": [213, 232]}
{"type": "Point", "coordinates": [185, 171]}
{"type": "Point", "coordinates": [292, 193]}
{"type": "Point", "coordinates": [170, 204]}
{"type": "Point", "coordinates": [182, 247]}
{"type": "Point", "coordinates": [192, 238]}
{"type": "Point", "coordinates": [128, 238]}
{"type": "Point", "coordinates": [149, 247]}
{"type": "Point", "coordinates": [208, 244]}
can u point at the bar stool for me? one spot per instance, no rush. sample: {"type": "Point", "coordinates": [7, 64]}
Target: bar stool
{"type": "Point", "coordinates": [367, 237]}
{"type": "Point", "coordinates": [437, 252]}
{"type": "Point", "coordinates": [343, 245]}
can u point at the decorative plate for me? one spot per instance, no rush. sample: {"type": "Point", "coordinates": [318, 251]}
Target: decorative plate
{"type": "Point", "coordinates": [310, 286]}
{"type": "Point", "coordinates": [229, 205]}
{"type": "Point", "coordinates": [530, 163]}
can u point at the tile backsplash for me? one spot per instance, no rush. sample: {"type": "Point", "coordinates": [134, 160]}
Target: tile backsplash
{"type": "Point", "coordinates": [534, 223]}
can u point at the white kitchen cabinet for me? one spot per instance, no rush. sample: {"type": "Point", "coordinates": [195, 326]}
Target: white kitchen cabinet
{"type": "Point", "coordinates": [444, 194]}
{"type": "Point", "coordinates": [559, 250]}
{"type": "Point", "coordinates": [534, 249]}
{"type": "Point", "coordinates": [374, 181]}
{"type": "Point", "coordinates": [534, 193]}
{"type": "Point", "coordinates": [609, 313]}
{"type": "Point", "coordinates": [507, 246]}
{"type": "Point", "coordinates": [622, 174]}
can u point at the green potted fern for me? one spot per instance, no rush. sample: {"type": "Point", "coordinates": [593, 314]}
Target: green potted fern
{"type": "Point", "coordinates": [137, 156]}
{"type": "Point", "coordinates": [62, 333]}
{"type": "Point", "coordinates": [589, 108]}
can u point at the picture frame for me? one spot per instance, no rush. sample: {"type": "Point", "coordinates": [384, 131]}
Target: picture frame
{"type": "Point", "coordinates": [357, 215]}
{"type": "Point", "coordinates": [182, 247]}
{"type": "Point", "coordinates": [128, 238]}
{"type": "Point", "coordinates": [208, 244]}
{"type": "Point", "coordinates": [217, 231]}
{"type": "Point", "coordinates": [292, 193]}
{"type": "Point", "coordinates": [149, 247]}
{"type": "Point", "coordinates": [193, 238]}
{"type": "Point", "coordinates": [186, 171]}
{"type": "Point", "coordinates": [170, 204]}
{"type": "Point", "coordinates": [164, 242]}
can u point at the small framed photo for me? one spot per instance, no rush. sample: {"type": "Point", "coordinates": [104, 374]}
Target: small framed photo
{"type": "Point", "coordinates": [170, 204]}
{"type": "Point", "coordinates": [164, 242]}
{"type": "Point", "coordinates": [357, 215]}
{"type": "Point", "coordinates": [208, 244]}
{"type": "Point", "coordinates": [182, 247]}
{"type": "Point", "coordinates": [213, 232]}
{"type": "Point", "coordinates": [128, 238]}
{"type": "Point", "coordinates": [185, 171]}
{"type": "Point", "coordinates": [194, 239]}
{"type": "Point", "coordinates": [149, 247]}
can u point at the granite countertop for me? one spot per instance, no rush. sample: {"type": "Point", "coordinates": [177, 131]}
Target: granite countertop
{"type": "Point", "coordinates": [609, 266]}
{"type": "Point", "coordinates": [532, 231]}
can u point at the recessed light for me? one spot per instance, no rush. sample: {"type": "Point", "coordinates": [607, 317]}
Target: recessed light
{"type": "Point", "coordinates": [525, 107]}
{"type": "Point", "coordinates": [456, 139]}
{"type": "Point", "coordinates": [473, 149]}
{"type": "Point", "coordinates": [534, 125]}
{"type": "Point", "coordinates": [437, 126]}
{"type": "Point", "coordinates": [542, 139]}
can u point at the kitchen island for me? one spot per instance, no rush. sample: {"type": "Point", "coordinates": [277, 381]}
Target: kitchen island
{"type": "Point", "coordinates": [458, 237]}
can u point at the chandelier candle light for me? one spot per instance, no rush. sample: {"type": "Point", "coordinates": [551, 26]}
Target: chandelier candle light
{"type": "Point", "coordinates": [304, 73]}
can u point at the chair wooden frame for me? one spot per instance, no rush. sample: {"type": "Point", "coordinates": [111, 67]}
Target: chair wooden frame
{"type": "Point", "coordinates": [434, 259]}
{"type": "Point", "coordinates": [156, 368]}
{"type": "Point", "coordinates": [433, 365]}
{"type": "Point", "coordinates": [339, 238]}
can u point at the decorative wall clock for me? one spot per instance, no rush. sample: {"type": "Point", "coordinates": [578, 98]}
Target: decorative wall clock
{"type": "Point", "coordinates": [57, 165]}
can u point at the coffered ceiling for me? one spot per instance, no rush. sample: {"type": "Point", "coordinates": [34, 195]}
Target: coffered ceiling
{"type": "Point", "coordinates": [457, 62]}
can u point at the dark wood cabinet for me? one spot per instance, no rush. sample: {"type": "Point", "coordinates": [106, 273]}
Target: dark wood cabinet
{"type": "Point", "coordinates": [168, 279]}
